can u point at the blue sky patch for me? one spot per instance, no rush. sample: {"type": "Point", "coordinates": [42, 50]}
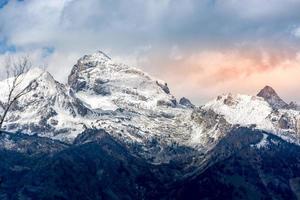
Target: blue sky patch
{"type": "Point", "coordinates": [3, 3]}
{"type": "Point", "coordinates": [4, 47]}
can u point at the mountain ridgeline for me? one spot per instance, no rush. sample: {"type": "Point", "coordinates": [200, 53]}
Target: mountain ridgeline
{"type": "Point", "coordinates": [115, 132]}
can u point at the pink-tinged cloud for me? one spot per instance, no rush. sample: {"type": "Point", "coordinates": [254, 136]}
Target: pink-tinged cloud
{"type": "Point", "coordinates": [204, 75]}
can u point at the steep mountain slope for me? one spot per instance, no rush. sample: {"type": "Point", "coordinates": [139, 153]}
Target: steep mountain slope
{"type": "Point", "coordinates": [259, 166]}
{"type": "Point", "coordinates": [245, 164]}
{"type": "Point", "coordinates": [102, 169]}
{"type": "Point", "coordinates": [46, 109]}
{"type": "Point", "coordinates": [106, 85]}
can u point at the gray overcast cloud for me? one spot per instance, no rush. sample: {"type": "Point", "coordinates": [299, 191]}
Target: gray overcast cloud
{"type": "Point", "coordinates": [167, 38]}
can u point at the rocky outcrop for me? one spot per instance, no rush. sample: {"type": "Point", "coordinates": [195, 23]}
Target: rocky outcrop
{"type": "Point", "coordinates": [269, 94]}
{"type": "Point", "coordinates": [86, 62]}
{"type": "Point", "coordinates": [293, 105]}
{"type": "Point", "coordinates": [186, 102]}
{"type": "Point", "coordinates": [164, 87]}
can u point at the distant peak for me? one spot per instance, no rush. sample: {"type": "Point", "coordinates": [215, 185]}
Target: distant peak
{"type": "Point", "coordinates": [104, 54]}
{"type": "Point", "coordinates": [97, 56]}
{"type": "Point", "coordinates": [267, 91]}
{"type": "Point", "coordinates": [88, 61]}
{"type": "Point", "coordinates": [35, 73]}
{"type": "Point", "coordinates": [36, 70]}
{"type": "Point", "coordinates": [270, 95]}
{"type": "Point", "coordinates": [101, 53]}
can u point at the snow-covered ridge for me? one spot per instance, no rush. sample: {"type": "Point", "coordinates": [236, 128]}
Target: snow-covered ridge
{"type": "Point", "coordinates": [256, 112]}
{"type": "Point", "coordinates": [240, 109]}
{"type": "Point", "coordinates": [131, 105]}
{"type": "Point", "coordinates": [116, 85]}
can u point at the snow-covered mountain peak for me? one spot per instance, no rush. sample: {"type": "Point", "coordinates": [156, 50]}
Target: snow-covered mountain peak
{"type": "Point", "coordinates": [270, 95]}
{"type": "Point", "coordinates": [34, 72]}
{"type": "Point", "coordinates": [258, 112]}
{"type": "Point", "coordinates": [25, 79]}
{"type": "Point", "coordinates": [87, 62]}
{"type": "Point", "coordinates": [45, 107]}
{"type": "Point", "coordinates": [113, 85]}
{"type": "Point", "coordinates": [43, 82]}
{"type": "Point", "coordinates": [267, 91]}
{"type": "Point", "coordinates": [98, 56]}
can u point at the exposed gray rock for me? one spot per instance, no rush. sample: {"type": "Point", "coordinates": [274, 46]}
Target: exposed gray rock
{"type": "Point", "coordinates": [84, 63]}
{"type": "Point", "coordinates": [164, 87]}
{"type": "Point", "coordinates": [269, 94]}
{"type": "Point", "coordinates": [293, 105]}
{"type": "Point", "coordinates": [284, 122]}
{"type": "Point", "coordinates": [171, 103]}
{"type": "Point", "coordinates": [79, 85]}
{"type": "Point", "coordinates": [186, 102]}
{"type": "Point", "coordinates": [53, 122]}
{"type": "Point", "coordinates": [101, 87]}
{"type": "Point", "coordinates": [229, 101]}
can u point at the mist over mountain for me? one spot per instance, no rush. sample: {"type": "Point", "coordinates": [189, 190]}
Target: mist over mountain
{"type": "Point", "coordinates": [115, 132]}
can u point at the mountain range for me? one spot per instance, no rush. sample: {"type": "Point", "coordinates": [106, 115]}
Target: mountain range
{"type": "Point", "coordinates": [115, 132]}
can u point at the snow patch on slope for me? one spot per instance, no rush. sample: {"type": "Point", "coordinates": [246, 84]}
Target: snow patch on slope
{"type": "Point", "coordinates": [94, 102]}
{"type": "Point", "coordinates": [25, 79]}
{"type": "Point", "coordinates": [243, 110]}
{"type": "Point", "coordinates": [262, 143]}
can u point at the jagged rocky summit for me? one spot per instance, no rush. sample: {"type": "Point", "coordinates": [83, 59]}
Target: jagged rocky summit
{"type": "Point", "coordinates": [269, 95]}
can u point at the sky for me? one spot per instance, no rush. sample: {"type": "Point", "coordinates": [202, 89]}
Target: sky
{"type": "Point", "coordinates": [200, 48]}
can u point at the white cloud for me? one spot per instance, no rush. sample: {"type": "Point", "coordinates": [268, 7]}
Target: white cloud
{"type": "Point", "coordinates": [258, 9]}
{"type": "Point", "coordinates": [296, 32]}
{"type": "Point", "coordinates": [137, 31]}
{"type": "Point", "coordinates": [176, 53]}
